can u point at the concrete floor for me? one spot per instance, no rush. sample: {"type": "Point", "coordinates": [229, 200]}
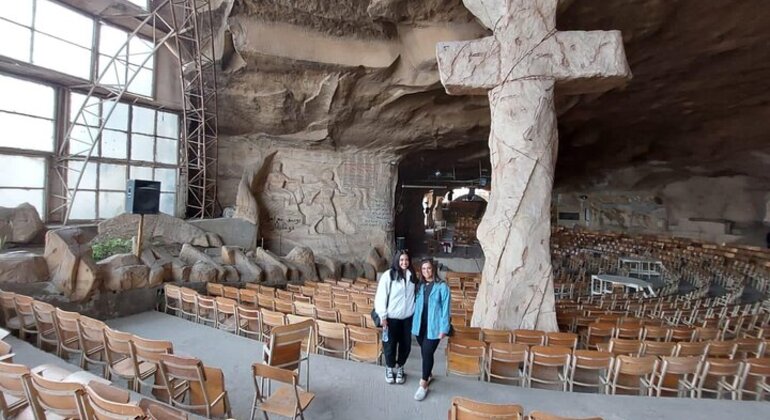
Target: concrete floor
{"type": "Point", "coordinates": [350, 390]}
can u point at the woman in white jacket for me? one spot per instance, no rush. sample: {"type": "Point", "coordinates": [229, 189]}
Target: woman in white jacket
{"type": "Point", "coordinates": [394, 304]}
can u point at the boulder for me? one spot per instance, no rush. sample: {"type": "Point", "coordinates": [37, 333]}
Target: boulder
{"type": "Point", "coordinates": [22, 267]}
{"type": "Point", "coordinates": [180, 272]}
{"type": "Point", "coordinates": [231, 274]}
{"type": "Point", "coordinates": [232, 231]}
{"type": "Point", "coordinates": [159, 273]}
{"type": "Point", "coordinates": [276, 272]}
{"type": "Point", "coordinates": [191, 255]}
{"type": "Point", "coordinates": [70, 265]}
{"type": "Point", "coordinates": [127, 277]}
{"type": "Point", "coordinates": [246, 206]}
{"type": "Point", "coordinates": [249, 271]}
{"type": "Point", "coordinates": [304, 260]}
{"type": "Point", "coordinates": [329, 267]}
{"type": "Point", "coordinates": [370, 272]}
{"type": "Point", "coordinates": [161, 228]}
{"type": "Point", "coordinates": [204, 272]}
{"type": "Point", "coordinates": [352, 270]}
{"type": "Point", "coordinates": [23, 222]}
{"type": "Point", "coordinates": [376, 260]}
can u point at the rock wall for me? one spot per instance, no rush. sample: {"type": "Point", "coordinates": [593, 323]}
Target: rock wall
{"type": "Point", "coordinates": [728, 209]}
{"type": "Point", "coordinates": [337, 203]}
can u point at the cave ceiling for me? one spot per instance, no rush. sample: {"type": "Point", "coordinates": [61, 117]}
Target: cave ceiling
{"type": "Point", "coordinates": [361, 74]}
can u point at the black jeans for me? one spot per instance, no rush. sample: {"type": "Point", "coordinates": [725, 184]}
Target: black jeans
{"type": "Point", "coordinates": [427, 348]}
{"type": "Point", "coordinates": [399, 342]}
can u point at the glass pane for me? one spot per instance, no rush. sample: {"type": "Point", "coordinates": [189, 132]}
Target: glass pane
{"type": "Point", "coordinates": [114, 144]}
{"type": "Point", "coordinates": [84, 206]}
{"type": "Point", "coordinates": [141, 172]}
{"type": "Point", "coordinates": [19, 11]}
{"type": "Point", "coordinates": [112, 177]}
{"type": "Point", "coordinates": [90, 113]}
{"type": "Point", "coordinates": [143, 120]}
{"type": "Point", "coordinates": [118, 120]}
{"type": "Point", "coordinates": [26, 97]}
{"type": "Point", "coordinates": [140, 3]}
{"type": "Point", "coordinates": [22, 171]}
{"type": "Point", "coordinates": [167, 178]}
{"type": "Point", "coordinates": [22, 132]}
{"type": "Point", "coordinates": [166, 151]}
{"type": "Point", "coordinates": [11, 197]}
{"type": "Point", "coordinates": [81, 138]}
{"type": "Point", "coordinates": [111, 73]}
{"type": "Point", "coordinates": [111, 204]}
{"type": "Point", "coordinates": [142, 148]}
{"type": "Point", "coordinates": [88, 181]}
{"type": "Point", "coordinates": [19, 48]}
{"type": "Point", "coordinates": [63, 23]}
{"type": "Point", "coordinates": [61, 56]}
{"type": "Point", "coordinates": [112, 42]}
{"type": "Point", "coordinates": [142, 83]}
{"type": "Point", "coordinates": [168, 125]}
{"type": "Point", "coordinates": [167, 203]}
{"type": "Point", "coordinates": [140, 50]}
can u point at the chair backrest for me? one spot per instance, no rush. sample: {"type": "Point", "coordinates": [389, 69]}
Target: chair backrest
{"type": "Point", "coordinates": [658, 348]}
{"type": "Point", "coordinates": [272, 318]}
{"type": "Point", "coordinates": [285, 306]}
{"type": "Point", "coordinates": [7, 304]}
{"type": "Point", "coordinates": [61, 398]}
{"type": "Point", "coordinates": [67, 322]}
{"type": "Point", "coordinates": [550, 356]}
{"type": "Point", "coordinates": [563, 339]}
{"type": "Point", "coordinates": [467, 409]}
{"type": "Point", "coordinates": [721, 349]}
{"type": "Point", "coordinates": [44, 314]}
{"type": "Point", "coordinates": [467, 333]}
{"type": "Point", "coordinates": [205, 305]}
{"type": "Point", "coordinates": [231, 293]}
{"type": "Point", "coordinates": [531, 337]}
{"type": "Point", "coordinates": [183, 368]}
{"type": "Point", "coordinates": [226, 305]}
{"type": "Point", "coordinates": [104, 407]}
{"type": "Point", "coordinates": [24, 305]}
{"type": "Point", "coordinates": [304, 309]}
{"type": "Point", "coordinates": [496, 336]}
{"type": "Point", "coordinates": [755, 376]}
{"type": "Point", "coordinates": [351, 318]}
{"type": "Point", "coordinates": [540, 415]}
{"type": "Point", "coordinates": [465, 356]}
{"type": "Point", "coordinates": [628, 347]}
{"type": "Point", "coordinates": [214, 289]}
{"type": "Point", "coordinates": [681, 333]}
{"type": "Point", "coordinates": [286, 344]}
{"type": "Point", "coordinates": [150, 350]}
{"type": "Point", "coordinates": [635, 366]}
{"type": "Point", "coordinates": [12, 382]}
{"type": "Point", "coordinates": [591, 359]}
{"type": "Point", "coordinates": [248, 297]}
{"type": "Point", "coordinates": [655, 332]}
{"type": "Point", "coordinates": [330, 315]}
{"type": "Point", "coordinates": [117, 345]}
{"type": "Point", "coordinates": [284, 294]}
{"type": "Point", "coordinates": [696, 348]}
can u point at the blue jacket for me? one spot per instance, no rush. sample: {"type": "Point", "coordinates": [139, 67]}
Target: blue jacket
{"type": "Point", "coordinates": [438, 310]}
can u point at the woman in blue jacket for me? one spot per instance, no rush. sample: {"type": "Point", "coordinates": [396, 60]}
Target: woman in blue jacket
{"type": "Point", "coordinates": [431, 320]}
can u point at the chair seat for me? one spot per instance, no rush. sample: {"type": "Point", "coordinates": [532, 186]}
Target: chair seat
{"type": "Point", "coordinates": [125, 368]}
{"type": "Point", "coordinates": [51, 372]}
{"type": "Point", "coordinates": [15, 322]}
{"type": "Point", "coordinates": [365, 351]}
{"type": "Point", "coordinates": [282, 401]}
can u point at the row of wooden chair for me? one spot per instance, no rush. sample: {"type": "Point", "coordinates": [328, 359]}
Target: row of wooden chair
{"type": "Point", "coordinates": [565, 369]}
{"type": "Point", "coordinates": [467, 409]}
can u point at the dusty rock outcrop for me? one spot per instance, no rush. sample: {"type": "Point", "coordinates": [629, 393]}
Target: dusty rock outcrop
{"type": "Point", "coordinates": [204, 272]}
{"type": "Point", "coordinates": [23, 222]}
{"type": "Point", "coordinates": [304, 259]}
{"type": "Point", "coordinates": [22, 267]}
{"type": "Point", "coordinates": [160, 227]}
{"type": "Point", "coordinates": [70, 264]}
{"type": "Point", "coordinates": [197, 258]}
{"type": "Point", "coordinates": [123, 272]}
{"type": "Point", "coordinates": [275, 271]}
{"type": "Point", "coordinates": [248, 270]}
{"type": "Point", "coordinates": [376, 260]}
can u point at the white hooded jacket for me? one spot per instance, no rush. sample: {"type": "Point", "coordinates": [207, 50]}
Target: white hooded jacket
{"type": "Point", "coordinates": [401, 302]}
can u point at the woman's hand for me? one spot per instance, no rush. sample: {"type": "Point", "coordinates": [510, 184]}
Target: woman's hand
{"type": "Point", "coordinates": [384, 323]}
{"type": "Point", "coordinates": [441, 336]}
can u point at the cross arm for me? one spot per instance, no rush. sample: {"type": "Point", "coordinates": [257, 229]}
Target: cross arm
{"type": "Point", "coordinates": [469, 67]}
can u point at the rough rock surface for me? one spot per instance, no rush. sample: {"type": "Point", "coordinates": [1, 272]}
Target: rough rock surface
{"type": "Point", "coordinates": [70, 264]}
{"type": "Point", "coordinates": [519, 65]}
{"type": "Point", "coordinates": [328, 268]}
{"type": "Point", "coordinates": [204, 272]}
{"type": "Point", "coordinates": [162, 228]}
{"type": "Point", "coordinates": [303, 258]}
{"type": "Point", "coordinates": [248, 270]}
{"type": "Point", "coordinates": [23, 222]}
{"type": "Point", "coordinates": [276, 272]}
{"type": "Point", "coordinates": [192, 256]}
{"type": "Point", "coordinates": [22, 267]}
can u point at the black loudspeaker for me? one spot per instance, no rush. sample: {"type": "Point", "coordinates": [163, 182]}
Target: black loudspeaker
{"type": "Point", "coordinates": [142, 197]}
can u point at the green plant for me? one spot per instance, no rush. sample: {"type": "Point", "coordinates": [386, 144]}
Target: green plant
{"type": "Point", "coordinates": [109, 247]}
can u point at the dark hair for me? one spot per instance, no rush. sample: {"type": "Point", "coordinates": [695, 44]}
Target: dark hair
{"type": "Point", "coordinates": [432, 263]}
{"type": "Point", "coordinates": [395, 267]}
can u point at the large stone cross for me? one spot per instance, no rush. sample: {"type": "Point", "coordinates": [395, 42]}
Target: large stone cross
{"type": "Point", "coordinates": [518, 66]}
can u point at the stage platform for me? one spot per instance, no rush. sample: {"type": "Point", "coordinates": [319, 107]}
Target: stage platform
{"type": "Point", "coordinates": [351, 390]}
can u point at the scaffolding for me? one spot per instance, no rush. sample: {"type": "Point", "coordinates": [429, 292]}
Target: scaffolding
{"type": "Point", "coordinates": [185, 28]}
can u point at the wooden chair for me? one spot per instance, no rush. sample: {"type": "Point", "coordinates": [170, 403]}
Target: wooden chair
{"type": "Point", "coordinates": [302, 298]}
{"type": "Point", "coordinates": [620, 346]}
{"type": "Point", "coordinates": [214, 289]}
{"type": "Point", "coordinates": [233, 293]}
{"type": "Point", "coordinates": [66, 324]}
{"type": "Point", "coordinates": [365, 344]}
{"type": "Point", "coordinates": [598, 333]}
{"type": "Point", "coordinates": [172, 298]}
{"type": "Point", "coordinates": [506, 363]}
{"type": "Point", "coordinates": [590, 369]}
{"type": "Point", "coordinates": [283, 305]}
{"type": "Point", "coordinates": [719, 376]}
{"type": "Point", "coordinates": [26, 316]}
{"type": "Point", "coordinates": [248, 298]}
{"type": "Point", "coordinates": [721, 349]}
{"type": "Point", "coordinates": [8, 306]}
{"type": "Point", "coordinates": [121, 360]}
{"type": "Point", "coordinates": [489, 336]}
{"type": "Point", "coordinates": [266, 301]}
{"type": "Point", "coordinates": [14, 380]}
{"type": "Point", "coordinates": [270, 320]}
{"type": "Point", "coordinates": [328, 315]}
{"type": "Point", "coordinates": [755, 380]}
{"type": "Point", "coordinates": [655, 333]}
{"type": "Point", "coordinates": [189, 303]}
{"type": "Point", "coordinates": [267, 290]}
{"type": "Point", "coordinates": [658, 348]}
{"type": "Point", "coordinates": [284, 295]}
{"type": "Point", "coordinates": [677, 376]}
{"type": "Point", "coordinates": [695, 348]}
{"type": "Point", "coordinates": [188, 380]}
{"type": "Point", "coordinates": [563, 339]}
{"type": "Point", "coordinates": [6, 352]}
{"type": "Point", "coordinates": [351, 318]}
{"type": "Point", "coordinates": [629, 331]}
{"type": "Point", "coordinates": [105, 407]}
{"type": "Point", "coordinates": [633, 375]}
{"type": "Point", "coordinates": [332, 339]}
{"type": "Point", "coordinates": [49, 398]}
{"type": "Point", "coordinates": [91, 340]}
{"type": "Point", "coordinates": [289, 347]}
{"type": "Point", "coordinates": [681, 333]}
{"type": "Point", "coordinates": [746, 348]}
{"type": "Point", "coordinates": [467, 409]}
{"type": "Point", "coordinates": [706, 334]}
{"type": "Point", "coordinates": [294, 288]}
{"type": "Point", "coordinates": [466, 333]}
{"type": "Point", "coordinates": [249, 321]}
{"type": "Point", "coordinates": [540, 415]}
{"type": "Point", "coordinates": [308, 342]}
{"type": "Point", "coordinates": [549, 366]}
{"type": "Point", "coordinates": [304, 309]}
{"type": "Point", "coordinates": [347, 306]}
{"type": "Point", "coordinates": [287, 401]}
{"type": "Point", "coordinates": [465, 357]}
{"type": "Point", "coordinates": [529, 337]}
{"type": "Point", "coordinates": [225, 314]}
{"type": "Point", "coordinates": [147, 351]}
{"type": "Point", "coordinates": [44, 314]}
{"type": "Point", "coordinates": [206, 310]}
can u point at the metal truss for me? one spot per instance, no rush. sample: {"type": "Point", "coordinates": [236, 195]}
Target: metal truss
{"type": "Point", "coordinates": [179, 26]}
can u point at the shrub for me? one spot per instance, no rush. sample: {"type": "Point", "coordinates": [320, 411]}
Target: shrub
{"type": "Point", "coordinates": [110, 247]}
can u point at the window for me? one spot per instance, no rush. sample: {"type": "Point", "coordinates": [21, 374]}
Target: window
{"type": "Point", "coordinates": [134, 60]}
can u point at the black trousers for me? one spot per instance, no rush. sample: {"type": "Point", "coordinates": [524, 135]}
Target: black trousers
{"type": "Point", "coordinates": [399, 342]}
{"type": "Point", "coordinates": [427, 348]}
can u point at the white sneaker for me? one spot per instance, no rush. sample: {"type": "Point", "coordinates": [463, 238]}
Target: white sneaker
{"type": "Point", "coordinates": [400, 375]}
{"type": "Point", "coordinates": [389, 377]}
{"type": "Point", "coordinates": [421, 393]}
